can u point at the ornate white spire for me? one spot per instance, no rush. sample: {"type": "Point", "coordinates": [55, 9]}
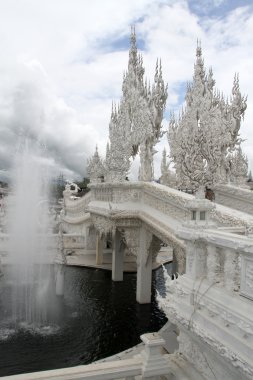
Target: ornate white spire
{"type": "Point", "coordinates": [207, 130]}
{"type": "Point", "coordinates": [95, 168]}
{"type": "Point", "coordinates": [137, 125]}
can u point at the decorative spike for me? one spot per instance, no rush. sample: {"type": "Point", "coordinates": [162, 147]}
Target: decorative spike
{"type": "Point", "coordinates": [133, 36]}
{"type": "Point", "coordinates": [156, 70]}
{"type": "Point", "coordinates": [112, 111]}
{"type": "Point", "coordinates": [160, 69]}
{"type": "Point", "coordinates": [198, 49]}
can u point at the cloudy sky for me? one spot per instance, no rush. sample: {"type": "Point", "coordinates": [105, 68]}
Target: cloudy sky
{"type": "Point", "coordinates": [62, 63]}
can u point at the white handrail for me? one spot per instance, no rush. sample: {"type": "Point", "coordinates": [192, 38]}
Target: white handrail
{"type": "Point", "coordinates": [150, 363]}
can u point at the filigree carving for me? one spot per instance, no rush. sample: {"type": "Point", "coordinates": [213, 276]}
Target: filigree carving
{"type": "Point", "coordinates": [131, 237]}
{"type": "Point", "coordinates": [103, 224]}
{"type": "Point", "coordinates": [229, 219]}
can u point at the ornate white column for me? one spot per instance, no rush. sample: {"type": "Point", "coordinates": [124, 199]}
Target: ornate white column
{"type": "Point", "coordinates": [144, 267]}
{"type": "Point", "coordinates": [141, 244]}
{"type": "Point", "coordinates": [99, 249]}
{"type": "Point", "coordinates": [117, 257]}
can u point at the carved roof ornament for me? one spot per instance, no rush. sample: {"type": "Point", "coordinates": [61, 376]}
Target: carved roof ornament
{"type": "Point", "coordinates": [237, 167]}
{"type": "Point", "coordinates": [135, 125]}
{"type": "Point", "coordinates": [95, 168]}
{"type": "Point", "coordinates": [207, 130]}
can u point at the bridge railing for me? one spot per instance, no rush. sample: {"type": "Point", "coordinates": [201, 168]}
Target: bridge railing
{"type": "Point", "coordinates": [151, 362]}
{"type": "Point", "coordinates": [230, 264]}
{"type": "Point", "coordinates": [75, 207]}
{"type": "Point", "coordinates": [162, 198]}
{"type": "Point", "coordinates": [235, 197]}
{"type": "Point", "coordinates": [225, 259]}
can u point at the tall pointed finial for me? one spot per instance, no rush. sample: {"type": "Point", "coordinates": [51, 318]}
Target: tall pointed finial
{"type": "Point", "coordinates": [156, 70]}
{"type": "Point", "coordinates": [133, 58]}
{"type": "Point", "coordinates": [112, 114]}
{"type": "Point", "coordinates": [236, 88]}
{"type": "Point", "coordinates": [133, 35]}
{"type": "Point", "coordinates": [198, 50]}
{"type": "Point", "coordinates": [160, 68]}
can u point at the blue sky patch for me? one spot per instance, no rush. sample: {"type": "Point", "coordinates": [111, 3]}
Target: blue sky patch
{"type": "Point", "coordinates": [216, 8]}
{"type": "Point", "coordinates": [118, 44]}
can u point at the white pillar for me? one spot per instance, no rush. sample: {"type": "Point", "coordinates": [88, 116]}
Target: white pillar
{"type": "Point", "coordinates": [144, 270]}
{"type": "Point", "coordinates": [99, 250]}
{"type": "Point", "coordinates": [117, 257]}
{"type": "Point", "coordinates": [59, 279]}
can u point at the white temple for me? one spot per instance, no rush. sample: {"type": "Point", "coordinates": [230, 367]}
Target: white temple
{"type": "Point", "coordinates": [210, 301]}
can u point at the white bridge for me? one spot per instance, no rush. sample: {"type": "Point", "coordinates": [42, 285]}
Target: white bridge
{"type": "Point", "coordinates": [211, 301]}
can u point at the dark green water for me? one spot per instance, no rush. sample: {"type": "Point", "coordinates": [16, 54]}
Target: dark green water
{"type": "Point", "coordinates": [96, 318]}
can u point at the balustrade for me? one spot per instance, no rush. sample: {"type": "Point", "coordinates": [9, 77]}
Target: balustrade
{"type": "Point", "coordinates": [151, 364]}
{"type": "Point", "coordinates": [225, 266]}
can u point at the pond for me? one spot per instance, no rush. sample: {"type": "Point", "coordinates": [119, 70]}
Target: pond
{"type": "Point", "coordinates": [96, 318]}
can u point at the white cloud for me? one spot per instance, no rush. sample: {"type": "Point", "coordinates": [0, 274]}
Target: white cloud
{"type": "Point", "coordinates": [59, 69]}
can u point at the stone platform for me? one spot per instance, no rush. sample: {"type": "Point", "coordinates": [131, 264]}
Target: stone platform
{"type": "Point", "coordinates": [88, 259]}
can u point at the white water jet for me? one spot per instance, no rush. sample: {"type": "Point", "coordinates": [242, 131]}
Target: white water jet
{"type": "Point", "coordinates": [28, 228]}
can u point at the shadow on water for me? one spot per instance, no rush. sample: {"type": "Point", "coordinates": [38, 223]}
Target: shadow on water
{"type": "Point", "coordinates": [96, 318]}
